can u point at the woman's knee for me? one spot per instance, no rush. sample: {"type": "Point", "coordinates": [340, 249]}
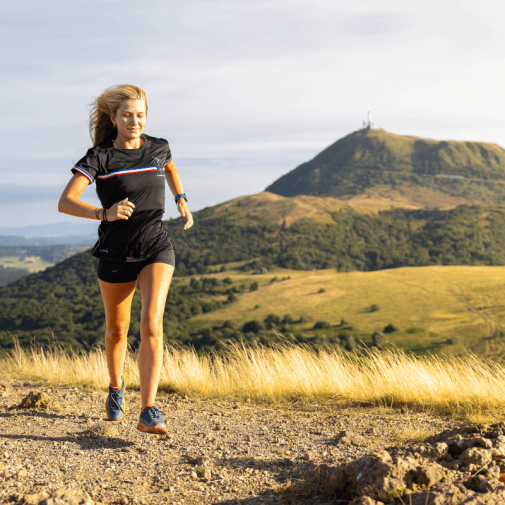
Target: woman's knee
{"type": "Point", "coordinates": [117, 333]}
{"type": "Point", "coordinates": [151, 330]}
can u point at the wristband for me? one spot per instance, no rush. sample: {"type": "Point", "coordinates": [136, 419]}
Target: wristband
{"type": "Point", "coordinates": [181, 195]}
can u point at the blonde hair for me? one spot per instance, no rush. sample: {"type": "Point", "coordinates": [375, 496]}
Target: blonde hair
{"type": "Point", "coordinates": [100, 124]}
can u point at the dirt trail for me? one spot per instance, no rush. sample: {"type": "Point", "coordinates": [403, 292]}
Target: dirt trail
{"type": "Point", "coordinates": [216, 452]}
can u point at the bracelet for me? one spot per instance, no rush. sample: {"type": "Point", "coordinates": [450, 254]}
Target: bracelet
{"type": "Point", "coordinates": [181, 195]}
{"type": "Point", "coordinates": [97, 213]}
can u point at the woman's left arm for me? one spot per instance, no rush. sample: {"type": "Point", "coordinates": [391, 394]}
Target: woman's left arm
{"type": "Point", "coordinates": [174, 183]}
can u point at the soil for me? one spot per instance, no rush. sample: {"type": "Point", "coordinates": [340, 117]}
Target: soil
{"type": "Point", "coordinates": [57, 448]}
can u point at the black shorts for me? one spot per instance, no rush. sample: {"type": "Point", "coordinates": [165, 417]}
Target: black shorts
{"type": "Point", "coordinates": [116, 272]}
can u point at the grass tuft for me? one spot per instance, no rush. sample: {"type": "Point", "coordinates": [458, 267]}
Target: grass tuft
{"type": "Point", "coordinates": [458, 386]}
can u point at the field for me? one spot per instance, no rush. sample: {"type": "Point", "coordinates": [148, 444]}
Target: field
{"type": "Point", "coordinates": [428, 305]}
{"type": "Point", "coordinates": [30, 263]}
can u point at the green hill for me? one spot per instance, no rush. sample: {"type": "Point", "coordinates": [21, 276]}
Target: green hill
{"type": "Point", "coordinates": [372, 201]}
{"type": "Point", "coordinates": [258, 234]}
{"type": "Point", "coordinates": [366, 159]}
{"type": "Point", "coordinates": [252, 235]}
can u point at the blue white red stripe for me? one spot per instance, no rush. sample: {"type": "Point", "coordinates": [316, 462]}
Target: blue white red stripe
{"type": "Point", "coordinates": [83, 172]}
{"type": "Point", "coordinates": [129, 171]}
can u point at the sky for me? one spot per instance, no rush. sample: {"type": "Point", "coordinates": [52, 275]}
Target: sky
{"type": "Point", "coordinates": [243, 90]}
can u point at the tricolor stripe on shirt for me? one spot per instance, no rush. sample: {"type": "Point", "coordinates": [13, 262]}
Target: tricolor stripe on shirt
{"type": "Point", "coordinates": [127, 172]}
{"type": "Point", "coordinates": [83, 172]}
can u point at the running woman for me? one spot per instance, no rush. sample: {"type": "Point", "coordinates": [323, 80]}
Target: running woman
{"type": "Point", "coordinates": [129, 169]}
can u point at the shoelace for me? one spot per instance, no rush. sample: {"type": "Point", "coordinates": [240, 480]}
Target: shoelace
{"type": "Point", "coordinates": [153, 413]}
{"type": "Point", "coordinates": [115, 399]}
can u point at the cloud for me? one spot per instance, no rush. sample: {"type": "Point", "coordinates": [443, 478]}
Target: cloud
{"type": "Point", "coordinates": [245, 85]}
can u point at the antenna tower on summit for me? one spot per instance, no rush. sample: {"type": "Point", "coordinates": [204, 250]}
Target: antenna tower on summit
{"type": "Point", "coordinates": [369, 125]}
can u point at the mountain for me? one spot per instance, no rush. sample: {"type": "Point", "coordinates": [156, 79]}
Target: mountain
{"type": "Point", "coordinates": [53, 230]}
{"type": "Point", "coordinates": [368, 160]}
{"type": "Point", "coordinates": [68, 233]}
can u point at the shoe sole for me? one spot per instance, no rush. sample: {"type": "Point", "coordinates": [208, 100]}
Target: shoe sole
{"type": "Point", "coordinates": [124, 404]}
{"type": "Point", "coordinates": [154, 430]}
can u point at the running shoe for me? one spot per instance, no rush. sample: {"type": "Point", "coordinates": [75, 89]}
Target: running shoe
{"type": "Point", "coordinates": [150, 421]}
{"type": "Point", "coordinates": [115, 405]}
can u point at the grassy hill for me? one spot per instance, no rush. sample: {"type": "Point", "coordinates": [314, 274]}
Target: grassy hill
{"type": "Point", "coordinates": [310, 232]}
{"type": "Point", "coordinates": [427, 305]}
{"type": "Point", "coordinates": [473, 171]}
{"type": "Point", "coordinates": [448, 309]}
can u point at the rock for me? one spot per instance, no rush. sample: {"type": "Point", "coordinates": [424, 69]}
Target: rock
{"type": "Point", "coordinates": [493, 472]}
{"type": "Point", "coordinates": [102, 429]}
{"type": "Point", "coordinates": [203, 461]}
{"type": "Point", "coordinates": [5, 388]}
{"type": "Point", "coordinates": [37, 400]}
{"type": "Point", "coordinates": [205, 474]}
{"type": "Point", "coordinates": [481, 442]}
{"type": "Point", "coordinates": [350, 438]}
{"type": "Point", "coordinates": [481, 484]}
{"type": "Point", "coordinates": [382, 477]}
{"type": "Point", "coordinates": [307, 456]}
{"type": "Point", "coordinates": [445, 494]}
{"type": "Point", "coordinates": [364, 500]}
{"type": "Point", "coordinates": [68, 497]}
{"type": "Point", "coordinates": [218, 427]}
{"type": "Point", "coordinates": [123, 501]}
{"type": "Point", "coordinates": [34, 499]}
{"type": "Point", "coordinates": [193, 475]}
{"type": "Point", "coordinates": [435, 451]}
{"type": "Point", "coordinates": [476, 456]}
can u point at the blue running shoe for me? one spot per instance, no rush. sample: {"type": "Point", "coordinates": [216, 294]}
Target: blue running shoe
{"type": "Point", "coordinates": [115, 405]}
{"type": "Point", "coordinates": [150, 421]}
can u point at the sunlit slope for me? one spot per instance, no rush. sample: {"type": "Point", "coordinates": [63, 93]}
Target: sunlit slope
{"type": "Point", "coordinates": [449, 301]}
{"type": "Point", "coordinates": [365, 159]}
{"type": "Point", "coordinates": [288, 210]}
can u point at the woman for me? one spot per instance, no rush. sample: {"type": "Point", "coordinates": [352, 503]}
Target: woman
{"type": "Point", "coordinates": [130, 170]}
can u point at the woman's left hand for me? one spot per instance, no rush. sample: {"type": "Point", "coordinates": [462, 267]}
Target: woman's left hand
{"type": "Point", "coordinates": [185, 213]}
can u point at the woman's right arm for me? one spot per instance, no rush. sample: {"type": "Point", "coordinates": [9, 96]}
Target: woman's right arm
{"type": "Point", "coordinates": [70, 204]}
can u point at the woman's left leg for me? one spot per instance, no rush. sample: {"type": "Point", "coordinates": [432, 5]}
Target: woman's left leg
{"type": "Point", "coordinates": [154, 282]}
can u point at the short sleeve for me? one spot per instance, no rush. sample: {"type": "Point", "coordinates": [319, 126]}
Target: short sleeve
{"type": "Point", "coordinates": [88, 166]}
{"type": "Point", "coordinates": [167, 153]}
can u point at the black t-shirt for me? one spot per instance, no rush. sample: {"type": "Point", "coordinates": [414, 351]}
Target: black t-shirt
{"type": "Point", "coordinates": [136, 174]}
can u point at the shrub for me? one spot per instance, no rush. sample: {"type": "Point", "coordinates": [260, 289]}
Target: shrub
{"type": "Point", "coordinates": [390, 328]}
{"type": "Point", "coordinates": [321, 324]}
{"type": "Point", "coordinates": [378, 338]}
{"type": "Point", "coordinates": [374, 308]}
{"type": "Point", "coordinates": [271, 321]}
{"type": "Point", "coordinates": [252, 327]}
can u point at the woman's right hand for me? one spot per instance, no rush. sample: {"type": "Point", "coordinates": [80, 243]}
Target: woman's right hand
{"type": "Point", "coordinates": [120, 210]}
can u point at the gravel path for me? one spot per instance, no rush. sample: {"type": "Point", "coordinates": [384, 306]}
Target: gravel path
{"type": "Point", "coordinates": [216, 451]}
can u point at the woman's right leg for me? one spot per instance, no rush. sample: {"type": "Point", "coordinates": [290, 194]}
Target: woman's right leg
{"type": "Point", "coordinates": [117, 300]}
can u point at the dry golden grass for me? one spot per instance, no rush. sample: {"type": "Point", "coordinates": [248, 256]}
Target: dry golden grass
{"type": "Point", "coordinates": [438, 299]}
{"type": "Point", "coordinates": [461, 387]}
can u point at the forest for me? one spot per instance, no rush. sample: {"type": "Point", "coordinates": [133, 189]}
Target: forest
{"type": "Point", "coordinates": [389, 239]}
{"type": "Point", "coordinates": [65, 301]}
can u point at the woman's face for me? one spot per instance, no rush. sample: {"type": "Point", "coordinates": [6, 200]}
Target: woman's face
{"type": "Point", "coordinates": [130, 119]}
